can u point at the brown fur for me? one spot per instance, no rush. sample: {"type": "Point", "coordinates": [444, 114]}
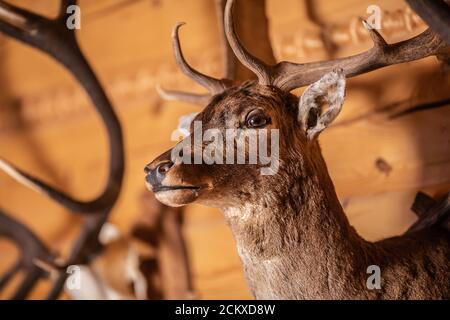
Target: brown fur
{"type": "Point", "coordinates": [292, 235]}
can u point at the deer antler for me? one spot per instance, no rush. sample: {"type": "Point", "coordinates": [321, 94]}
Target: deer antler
{"type": "Point", "coordinates": [229, 66]}
{"type": "Point", "coordinates": [54, 38]}
{"type": "Point", "coordinates": [172, 95]}
{"type": "Point", "coordinates": [213, 85]}
{"type": "Point", "coordinates": [288, 76]}
{"type": "Point", "coordinates": [32, 250]}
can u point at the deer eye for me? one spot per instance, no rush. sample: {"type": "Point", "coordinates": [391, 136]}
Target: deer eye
{"type": "Point", "coordinates": [256, 119]}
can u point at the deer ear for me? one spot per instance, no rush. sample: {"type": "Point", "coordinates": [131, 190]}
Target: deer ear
{"type": "Point", "coordinates": [329, 90]}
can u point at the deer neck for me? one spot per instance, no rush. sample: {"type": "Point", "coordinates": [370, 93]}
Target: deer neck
{"type": "Point", "coordinates": [296, 241]}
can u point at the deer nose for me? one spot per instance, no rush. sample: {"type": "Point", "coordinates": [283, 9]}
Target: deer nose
{"type": "Point", "coordinates": [157, 174]}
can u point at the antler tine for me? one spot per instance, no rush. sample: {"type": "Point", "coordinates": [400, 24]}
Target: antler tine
{"type": "Point", "coordinates": [194, 98]}
{"type": "Point", "coordinates": [17, 20]}
{"type": "Point", "coordinates": [229, 59]}
{"type": "Point", "coordinates": [213, 85]}
{"type": "Point", "coordinates": [229, 66]}
{"type": "Point", "coordinates": [290, 75]}
{"type": "Point", "coordinates": [41, 187]}
{"type": "Point", "coordinates": [55, 39]}
{"type": "Point", "coordinates": [257, 66]}
{"type": "Point", "coordinates": [11, 272]}
{"type": "Point", "coordinates": [31, 248]}
{"type": "Point", "coordinates": [83, 250]}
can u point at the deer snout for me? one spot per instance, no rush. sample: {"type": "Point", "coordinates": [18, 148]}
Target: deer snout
{"type": "Point", "coordinates": [157, 175]}
{"type": "Point", "coordinates": [156, 170]}
{"type": "Point", "coordinates": [171, 183]}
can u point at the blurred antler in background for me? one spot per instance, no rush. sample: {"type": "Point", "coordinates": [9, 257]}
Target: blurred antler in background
{"type": "Point", "coordinates": [436, 14]}
{"type": "Point", "coordinates": [32, 250]}
{"type": "Point", "coordinates": [54, 38]}
{"type": "Point", "coordinates": [431, 212]}
{"type": "Point", "coordinates": [161, 227]}
{"type": "Point", "coordinates": [150, 262]}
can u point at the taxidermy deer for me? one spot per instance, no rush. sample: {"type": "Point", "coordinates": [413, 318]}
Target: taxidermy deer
{"type": "Point", "coordinates": [292, 235]}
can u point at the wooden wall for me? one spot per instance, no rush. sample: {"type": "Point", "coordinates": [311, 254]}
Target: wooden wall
{"type": "Point", "coordinates": [47, 127]}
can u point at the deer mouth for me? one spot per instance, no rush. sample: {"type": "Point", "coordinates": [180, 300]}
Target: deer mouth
{"type": "Point", "coordinates": [176, 195]}
{"type": "Point", "coordinates": [161, 188]}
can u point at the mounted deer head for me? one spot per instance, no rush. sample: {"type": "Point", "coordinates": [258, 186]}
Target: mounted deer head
{"type": "Point", "coordinates": [291, 232]}
{"type": "Point", "coordinates": [249, 108]}
{"type": "Point", "coordinates": [266, 104]}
